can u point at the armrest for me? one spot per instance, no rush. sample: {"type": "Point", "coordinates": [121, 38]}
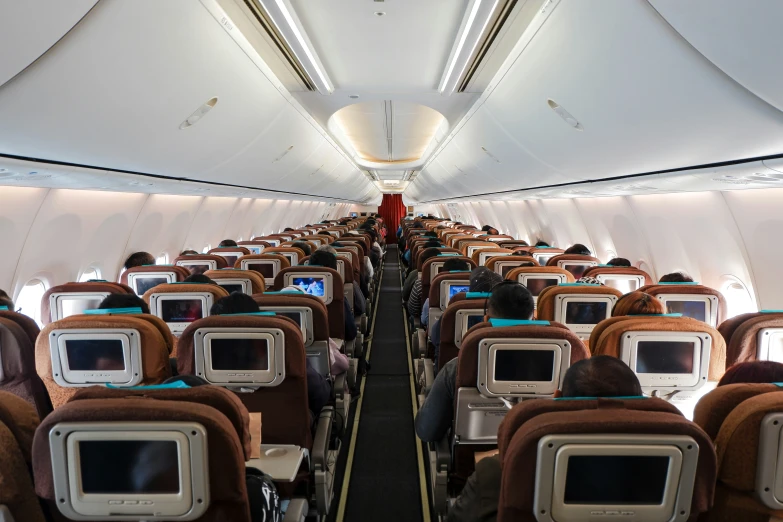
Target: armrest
{"type": "Point", "coordinates": [5, 514]}
{"type": "Point", "coordinates": [297, 510]}
{"type": "Point", "coordinates": [339, 385]}
{"type": "Point", "coordinates": [417, 323]}
{"type": "Point", "coordinates": [442, 454]}
{"type": "Point", "coordinates": [429, 375]}
{"type": "Point", "coordinates": [422, 334]}
{"type": "Point", "coordinates": [321, 439]}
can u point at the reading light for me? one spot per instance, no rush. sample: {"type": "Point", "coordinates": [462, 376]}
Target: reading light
{"type": "Point", "coordinates": [467, 41]}
{"type": "Point", "coordinates": [283, 16]}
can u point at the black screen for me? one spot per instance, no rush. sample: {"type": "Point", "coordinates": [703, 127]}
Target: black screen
{"type": "Point", "coordinates": [585, 313]}
{"type": "Point", "coordinates": [473, 320]}
{"type": "Point", "coordinates": [265, 269]}
{"type": "Point", "coordinates": [694, 309]}
{"type": "Point", "coordinates": [180, 310]}
{"type": "Point", "coordinates": [664, 357]}
{"type": "Point", "coordinates": [296, 316]}
{"type": "Point", "coordinates": [198, 269]}
{"type": "Point", "coordinates": [239, 354]}
{"type": "Point", "coordinates": [232, 288]}
{"type": "Point", "coordinates": [230, 260]}
{"type": "Point", "coordinates": [577, 270]}
{"type": "Point", "coordinates": [537, 285]}
{"type": "Point", "coordinates": [505, 269]}
{"type": "Point", "coordinates": [524, 365]}
{"type": "Point", "coordinates": [91, 355]}
{"type": "Point", "coordinates": [129, 466]}
{"type": "Point", "coordinates": [145, 283]}
{"type": "Point", "coordinates": [616, 480]}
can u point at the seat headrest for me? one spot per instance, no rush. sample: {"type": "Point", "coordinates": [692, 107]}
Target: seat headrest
{"type": "Point", "coordinates": [689, 289]}
{"type": "Point", "coordinates": [181, 288]}
{"type": "Point", "coordinates": [256, 280]}
{"type": "Point", "coordinates": [712, 409]}
{"type": "Point", "coordinates": [320, 313]}
{"type": "Point", "coordinates": [513, 275]}
{"type": "Point", "coordinates": [21, 419]}
{"type": "Point", "coordinates": [742, 335]}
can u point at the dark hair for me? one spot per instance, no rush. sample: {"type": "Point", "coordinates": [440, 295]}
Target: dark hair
{"type": "Point", "coordinates": [432, 243]}
{"type": "Point", "coordinates": [619, 261]}
{"type": "Point", "coordinates": [510, 300]}
{"type": "Point", "coordinates": [191, 380]}
{"type": "Point", "coordinates": [578, 249]}
{"type": "Point", "coordinates": [426, 254]}
{"type": "Point", "coordinates": [637, 303]}
{"type": "Point", "coordinates": [430, 234]}
{"type": "Point", "coordinates": [288, 229]}
{"type": "Point", "coordinates": [454, 264]}
{"type": "Point", "coordinates": [323, 258]}
{"type": "Point", "coordinates": [323, 233]}
{"type": "Point", "coordinates": [676, 277]}
{"type": "Point", "coordinates": [542, 244]}
{"type": "Point", "coordinates": [526, 264]}
{"type": "Point", "coordinates": [5, 300]}
{"type": "Point", "coordinates": [522, 253]}
{"type": "Point", "coordinates": [482, 279]}
{"type": "Point", "coordinates": [139, 259]}
{"type": "Point", "coordinates": [199, 279]}
{"type": "Point", "coordinates": [304, 247]}
{"type": "Point", "coordinates": [601, 376]}
{"type": "Point", "coordinates": [236, 303]}
{"type": "Point", "coordinates": [753, 372]}
{"type": "Point", "coordinates": [227, 243]}
{"type": "Point", "coordinates": [124, 301]}
{"type": "Point", "coordinates": [486, 228]}
{"type": "Point", "coordinates": [188, 253]}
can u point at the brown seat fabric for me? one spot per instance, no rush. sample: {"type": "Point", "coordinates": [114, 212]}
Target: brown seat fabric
{"type": "Point", "coordinates": [658, 289]}
{"type": "Point", "coordinates": [320, 314]}
{"type": "Point", "coordinates": [545, 307]}
{"type": "Point", "coordinates": [180, 272]}
{"type": "Point", "coordinates": [492, 261]}
{"type": "Point", "coordinates": [448, 348]}
{"type": "Point", "coordinates": [256, 280]}
{"type": "Point", "coordinates": [741, 335]}
{"type": "Point", "coordinates": [713, 408]}
{"type": "Point", "coordinates": [336, 308]}
{"type": "Point", "coordinates": [433, 289]}
{"type": "Point", "coordinates": [89, 286]}
{"type": "Point", "coordinates": [618, 270]}
{"type": "Point", "coordinates": [219, 260]}
{"type": "Point", "coordinates": [17, 354]}
{"type": "Point", "coordinates": [513, 275]}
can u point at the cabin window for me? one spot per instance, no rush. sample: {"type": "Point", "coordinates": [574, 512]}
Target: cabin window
{"type": "Point", "coordinates": [29, 300]}
{"type": "Point", "coordinates": [162, 259]}
{"type": "Point", "coordinates": [738, 297]}
{"type": "Point", "coordinates": [206, 249]}
{"type": "Point", "coordinates": [91, 273]}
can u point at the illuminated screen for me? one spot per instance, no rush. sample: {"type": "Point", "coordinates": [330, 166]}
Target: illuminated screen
{"type": "Point", "coordinates": [615, 479]}
{"type": "Point", "coordinates": [232, 288]}
{"type": "Point", "coordinates": [145, 283]}
{"type": "Point", "coordinates": [524, 365]}
{"type": "Point", "coordinates": [181, 310]}
{"type": "Point", "coordinates": [310, 285]}
{"type": "Point", "coordinates": [265, 269]}
{"type": "Point", "coordinates": [455, 289]}
{"type": "Point", "coordinates": [78, 305]}
{"type": "Point", "coordinates": [536, 286]}
{"type": "Point", "coordinates": [664, 357]}
{"type": "Point", "coordinates": [198, 269]}
{"type": "Point", "coordinates": [239, 354]}
{"type": "Point", "coordinates": [473, 320]}
{"type": "Point", "coordinates": [296, 316]}
{"type": "Point", "coordinates": [694, 309]}
{"type": "Point", "coordinates": [623, 285]}
{"type": "Point", "coordinates": [129, 466]}
{"type": "Point", "coordinates": [88, 355]}
{"type": "Point", "coordinates": [577, 270]}
{"type": "Point", "coordinates": [255, 250]}
{"type": "Point", "coordinates": [585, 313]}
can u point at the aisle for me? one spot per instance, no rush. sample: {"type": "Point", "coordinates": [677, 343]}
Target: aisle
{"type": "Point", "coordinates": [384, 481]}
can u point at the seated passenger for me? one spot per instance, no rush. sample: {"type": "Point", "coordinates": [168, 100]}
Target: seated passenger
{"type": "Point", "coordinates": [753, 372]}
{"type": "Point", "coordinates": [451, 265]}
{"type": "Point", "coordinates": [676, 277]}
{"type": "Point", "coordinates": [329, 260]}
{"type": "Point", "coordinates": [578, 249]}
{"type": "Point", "coordinates": [199, 279]}
{"type": "Point", "coordinates": [619, 261]}
{"type": "Point", "coordinates": [304, 247]}
{"type": "Point", "coordinates": [124, 301]}
{"type": "Point", "coordinates": [5, 300]}
{"type": "Point", "coordinates": [359, 304]}
{"type": "Point", "coordinates": [600, 376]}
{"type": "Point", "coordinates": [491, 231]}
{"type": "Point", "coordinates": [587, 280]}
{"type": "Point", "coordinates": [319, 391]}
{"type": "Point", "coordinates": [414, 301]}
{"type": "Point", "coordinates": [139, 259]}
{"type": "Point", "coordinates": [637, 303]}
{"type": "Point", "coordinates": [509, 300]}
{"type": "Point", "coordinates": [188, 253]}
{"type": "Point", "coordinates": [542, 244]}
{"type": "Point", "coordinates": [227, 243]}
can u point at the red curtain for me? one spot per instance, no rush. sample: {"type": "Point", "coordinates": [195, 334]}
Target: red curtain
{"type": "Point", "coordinates": [392, 209]}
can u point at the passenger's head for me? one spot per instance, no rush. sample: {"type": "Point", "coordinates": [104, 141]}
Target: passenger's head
{"type": "Point", "coordinates": [227, 243]}
{"type": "Point", "coordinates": [323, 258]}
{"type": "Point", "coordinates": [526, 264]}
{"type": "Point", "coordinates": [323, 233]}
{"type": "Point", "coordinates": [510, 300]}
{"type": "Point", "coordinates": [753, 372]}
{"type": "Point", "coordinates": [188, 253]}
{"type": "Point", "coordinates": [236, 303]}
{"type": "Point", "coordinates": [331, 248]}
{"type": "Point", "coordinates": [288, 229]}
{"type": "Point", "coordinates": [199, 279]}
{"type": "Point", "coordinates": [428, 253]}
{"type": "Point", "coordinates": [542, 244]}
{"type": "Point", "coordinates": [637, 303]}
{"type": "Point", "coordinates": [456, 265]}
{"type": "Point", "coordinates": [600, 376]}
{"type": "Point", "coordinates": [619, 261]}
{"type": "Point", "coordinates": [139, 259]}
{"type": "Point", "coordinates": [304, 247]}
{"type": "Point", "coordinates": [676, 277]}
{"type": "Point", "coordinates": [123, 301]}
{"type": "Point", "coordinates": [588, 280]}
{"type": "Point", "coordinates": [522, 253]}
{"type": "Point", "coordinates": [430, 234]}
{"type": "Point", "coordinates": [482, 279]}
{"type": "Point", "coordinates": [578, 249]}
{"type": "Point", "coordinates": [432, 243]}
{"type": "Point", "coordinates": [5, 300]}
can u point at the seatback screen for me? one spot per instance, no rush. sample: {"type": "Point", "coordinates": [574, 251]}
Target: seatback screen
{"type": "Point", "coordinates": [230, 260]}
{"type": "Point", "coordinates": [129, 467]}
{"type": "Point", "coordinates": [296, 316]}
{"type": "Point", "coordinates": [255, 250]}
{"type": "Point", "coordinates": [456, 289]}
{"type": "Point", "coordinates": [77, 306]}
{"type": "Point", "coordinates": [88, 355]}
{"type": "Point", "coordinates": [694, 309]}
{"type": "Point", "coordinates": [181, 310]}
{"type": "Point", "coordinates": [473, 320]}
{"type": "Point", "coordinates": [290, 257]}
{"type": "Point", "coordinates": [310, 285]}
{"type": "Point", "coordinates": [537, 285]}
{"type": "Point", "coordinates": [664, 357]}
{"type": "Point", "coordinates": [577, 270]}
{"type": "Point", "coordinates": [265, 269]}
{"type": "Point", "coordinates": [585, 313]}
{"type": "Point", "coordinates": [145, 283]}
{"type": "Point", "coordinates": [616, 480]}
{"type": "Point", "coordinates": [198, 269]}
{"type": "Point", "coordinates": [524, 365]}
{"type": "Point", "coordinates": [625, 286]}
{"type": "Point", "coordinates": [239, 354]}
{"type": "Point", "coordinates": [231, 288]}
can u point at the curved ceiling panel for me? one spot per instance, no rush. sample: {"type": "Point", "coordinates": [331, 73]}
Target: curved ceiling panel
{"type": "Point", "coordinates": [644, 98]}
{"type": "Point", "coordinates": [114, 92]}
{"type": "Point", "coordinates": [736, 36]}
{"type": "Point", "coordinates": [31, 27]}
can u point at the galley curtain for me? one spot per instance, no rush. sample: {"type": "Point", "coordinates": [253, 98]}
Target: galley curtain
{"type": "Point", "coordinates": [392, 209]}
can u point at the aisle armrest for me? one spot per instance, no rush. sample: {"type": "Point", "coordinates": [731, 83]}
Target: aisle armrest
{"type": "Point", "coordinates": [297, 510]}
